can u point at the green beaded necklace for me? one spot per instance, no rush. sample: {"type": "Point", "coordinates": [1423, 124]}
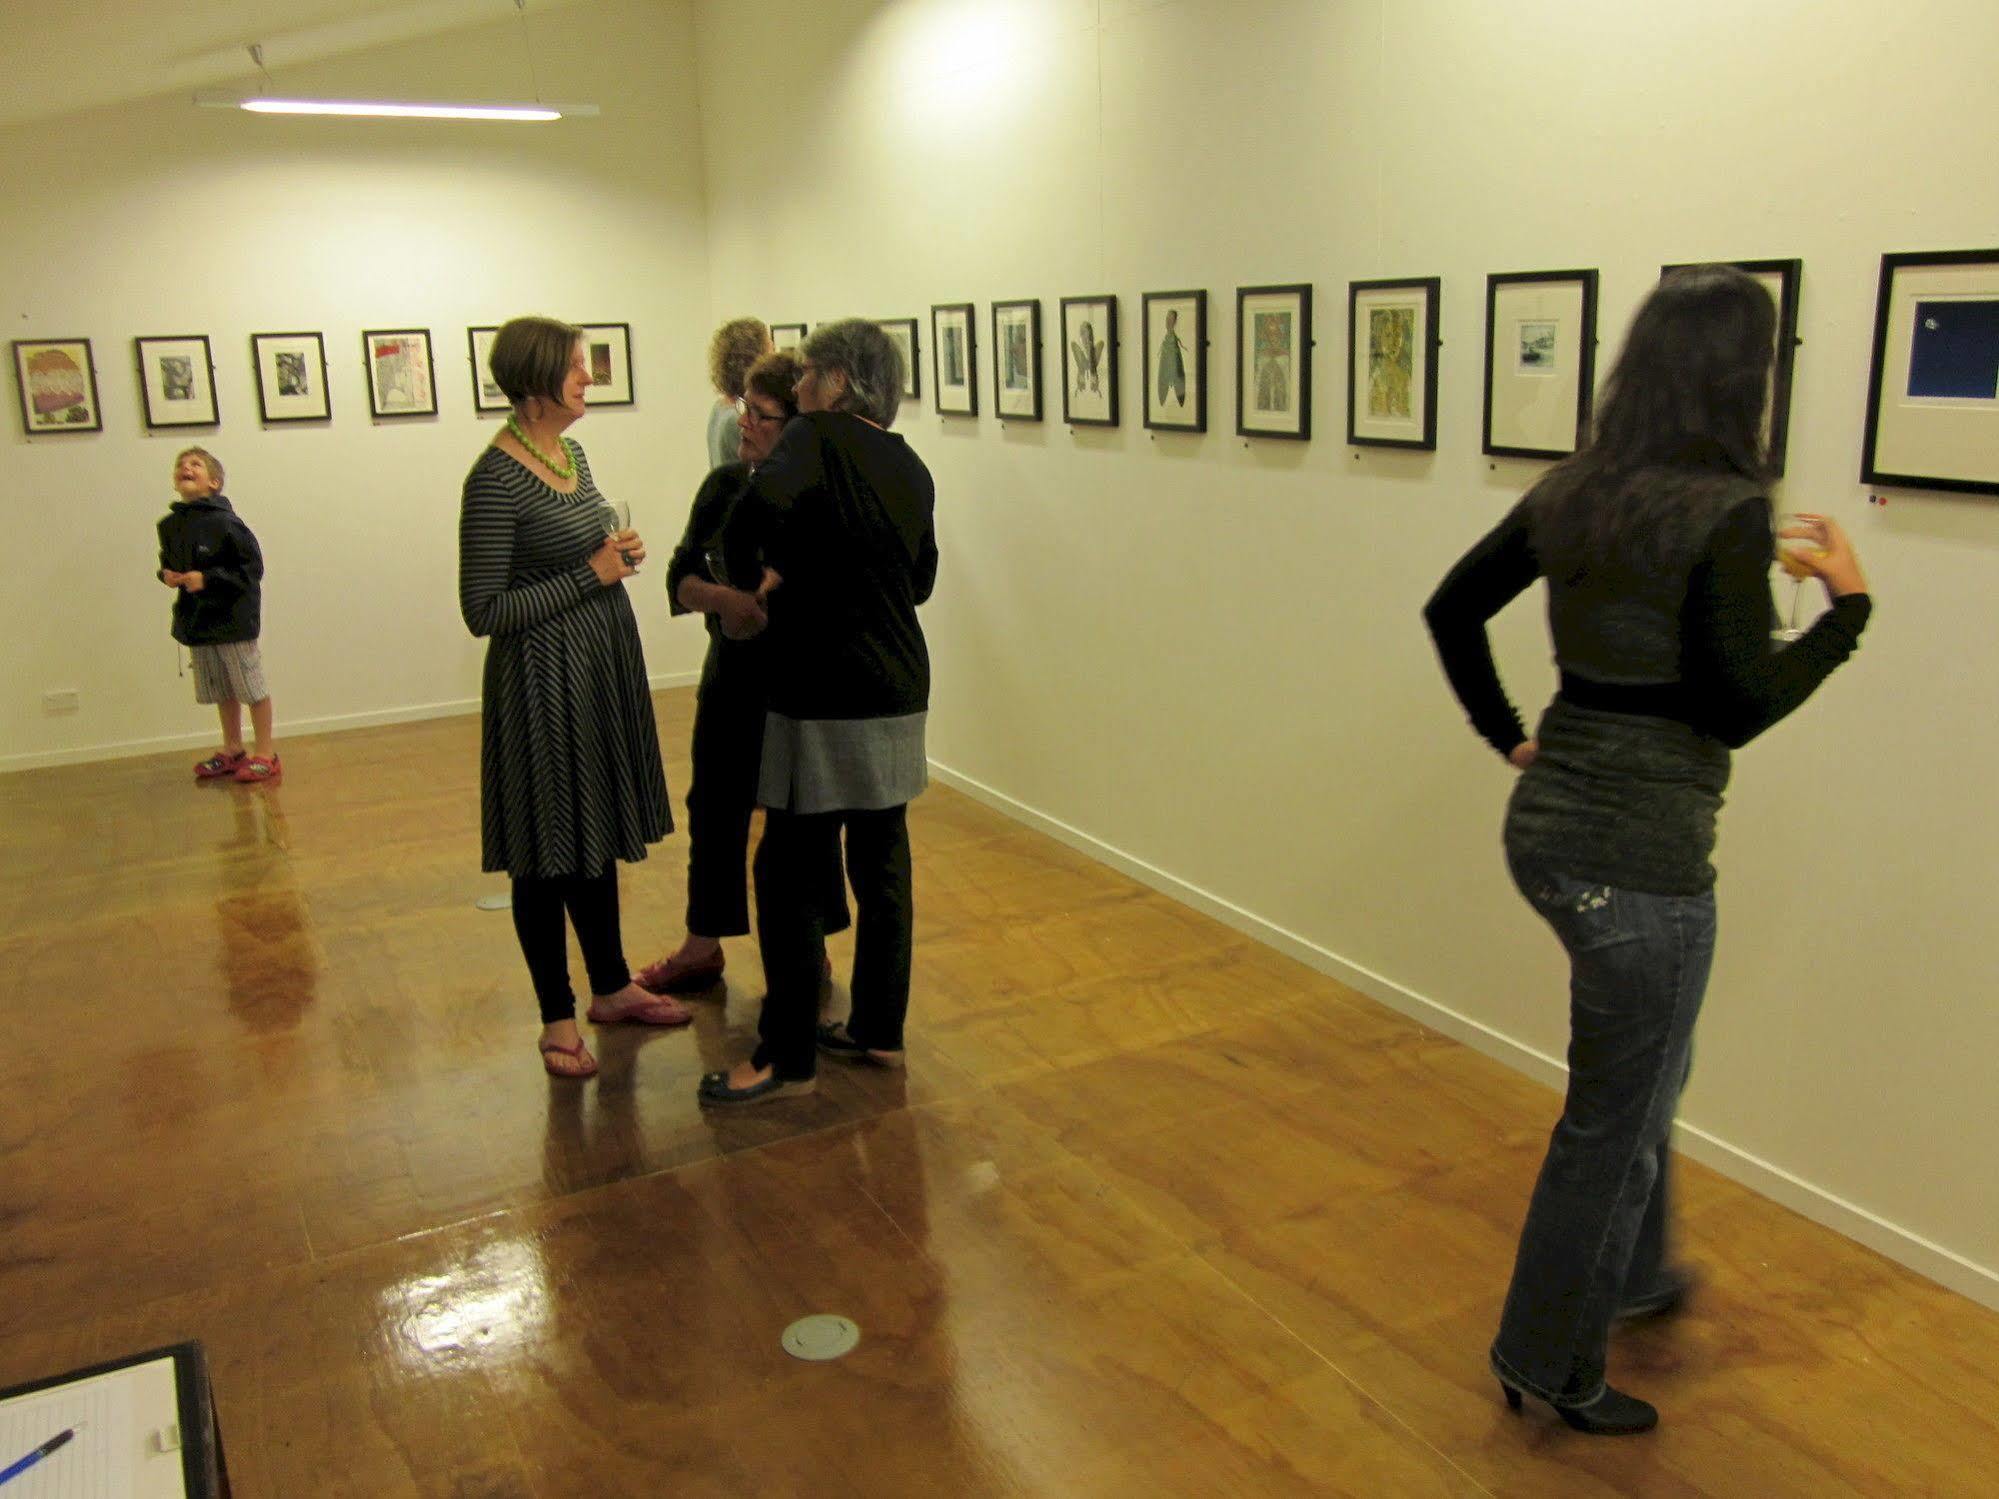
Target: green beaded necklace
{"type": "Point", "coordinates": [566, 470]}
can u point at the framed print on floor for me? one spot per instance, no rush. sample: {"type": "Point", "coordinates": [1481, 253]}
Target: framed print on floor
{"type": "Point", "coordinates": [177, 381]}
{"type": "Point", "coordinates": [291, 377]}
{"type": "Point", "coordinates": [486, 394]}
{"type": "Point", "coordinates": [1540, 362]}
{"type": "Point", "coordinates": [901, 332]}
{"type": "Point", "coordinates": [400, 379]}
{"type": "Point", "coordinates": [1017, 360]}
{"type": "Point", "coordinates": [1273, 339]}
{"type": "Point", "coordinates": [955, 354]}
{"type": "Point", "coordinates": [1933, 395]}
{"type": "Point", "coordinates": [787, 335]}
{"type": "Point", "coordinates": [1174, 326]}
{"type": "Point", "coordinates": [1781, 279]}
{"type": "Point", "coordinates": [58, 384]}
{"type": "Point", "coordinates": [1392, 343]}
{"type": "Point", "coordinates": [1089, 361]}
{"type": "Point", "coordinates": [609, 349]}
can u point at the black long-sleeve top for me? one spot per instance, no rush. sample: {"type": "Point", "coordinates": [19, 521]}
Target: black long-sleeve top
{"type": "Point", "coordinates": [1630, 772]}
{"type": "Point", "coordinates": [843, 512]}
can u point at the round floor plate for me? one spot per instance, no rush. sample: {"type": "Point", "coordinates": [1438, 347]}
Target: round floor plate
{"type": "Point", "coordinates": [822, 1337]}
{"type": "Point", "coordinates": [500, 902]}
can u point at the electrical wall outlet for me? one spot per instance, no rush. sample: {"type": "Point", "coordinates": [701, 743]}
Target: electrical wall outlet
{"type": "Point", "coordinates": [62, 700]}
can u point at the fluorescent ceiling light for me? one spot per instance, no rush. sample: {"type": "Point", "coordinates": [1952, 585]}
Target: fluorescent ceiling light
{"type": "Point", "coordinates": [397, 110]}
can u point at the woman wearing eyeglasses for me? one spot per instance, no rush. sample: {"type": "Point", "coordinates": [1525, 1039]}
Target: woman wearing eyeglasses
{"type": "Point", "coordinates": [729, 710]}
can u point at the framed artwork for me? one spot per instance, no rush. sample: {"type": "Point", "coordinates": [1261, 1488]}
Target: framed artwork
{"type": "Point", "coordinates": [787, 335]}
{"type": "Point", "coordinates": [1174, 326]}
{"type": "Point", "coordinates": [291, 377]}
{"type": "Point", "coordinates": [954, 354]}
{"type": "Point", "coordinates": [177, 381]}
{"type": "Point", "coordinates": [1781, 279]}
{"type": "Point", "coordinates": [1089, 361]}
{"type": "Point", "coordinates": [1273, 339]}
{"type": "Point", "coordinates": [901, 332]}
{"type": "Point", "coordinates": [486, 395]}
{"type": "Point", "coordinates": [608, 346]}
{"type": "Point", "coordinates": [1017, 360]}
{"type": "Point", "coordinates": [400, 379]}
{"type": "Point", "coordinates": [1540, 362]}
{"type": "Point", "coordinates": [58, 384]}
{"type": "Point", "coordinates": [1392, 343]}
{"type": "Point", "coordinates": [1933, 396]}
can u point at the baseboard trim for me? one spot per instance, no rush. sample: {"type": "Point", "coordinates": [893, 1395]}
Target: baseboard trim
{"type": "Point", "coordinates": [334, 723]}
{"type": "Point", "coordinates": [1944, 1266]}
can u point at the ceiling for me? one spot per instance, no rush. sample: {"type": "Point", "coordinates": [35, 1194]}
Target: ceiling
{"type": "Point", "coordinates": [85, 54]}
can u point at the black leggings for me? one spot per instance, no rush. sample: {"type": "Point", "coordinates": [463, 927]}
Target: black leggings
{"type": "Point", "coordinates": [728, 743]}
{"type": "Point", "coordinates": [799, 900]}
{"type": "Point", "coordinates": [592, 903]}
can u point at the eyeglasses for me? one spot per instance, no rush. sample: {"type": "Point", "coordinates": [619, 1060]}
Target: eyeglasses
{"type": "Point", "coordinates": [745, 410]}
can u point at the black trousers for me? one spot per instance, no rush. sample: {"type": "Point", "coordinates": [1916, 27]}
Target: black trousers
{"type": "Point", "coordinates": [592, 904]}
{"type": "Point", "coordinates": [728, 745]}
{"type": "Point", "coordinates": [799, 900]}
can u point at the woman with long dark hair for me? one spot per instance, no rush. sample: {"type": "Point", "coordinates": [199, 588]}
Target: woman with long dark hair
{"type": "Point", "coordinates": [1655, 541]}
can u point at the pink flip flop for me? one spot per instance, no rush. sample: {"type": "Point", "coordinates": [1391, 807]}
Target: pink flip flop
{"type": "Point", "coordinates": [660, 1011]}
{"type": "Point", "coordinates": [576, 1052]}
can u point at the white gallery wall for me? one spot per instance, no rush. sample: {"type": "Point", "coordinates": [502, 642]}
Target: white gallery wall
{"type": "Point", "coordinates": [161, 218]}
{"type": "Point", "coordinates": [1203, 656]}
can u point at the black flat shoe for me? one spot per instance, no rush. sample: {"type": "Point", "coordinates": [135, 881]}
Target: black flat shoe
{"type": "Point", "coordinates": [1611, 1414]}
{"type": "Point", "coordinates": [834, 1041]}
{"type": "Point", "coordinates": [715, 1088]}
{"type": "Point", "coordinates": [1664, 1300]}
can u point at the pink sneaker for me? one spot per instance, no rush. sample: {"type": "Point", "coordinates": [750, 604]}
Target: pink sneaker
{"type": "Point", "coordinates": [258, 768]}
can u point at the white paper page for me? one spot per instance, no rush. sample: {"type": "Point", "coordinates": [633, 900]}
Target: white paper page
{"type": "Point", "coordinates": [114, 1418]}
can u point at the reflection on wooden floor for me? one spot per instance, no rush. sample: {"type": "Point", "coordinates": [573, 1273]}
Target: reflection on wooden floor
{"type": "Point", "coordinates": [1153, 1211]}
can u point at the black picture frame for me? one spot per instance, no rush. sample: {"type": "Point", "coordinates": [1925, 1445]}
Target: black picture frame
{"type": "Point", "coordinates": [902, 330]}
{"type": "Point", "coordinates": [1091, 372]}
{"type": "Point", "coordinates": [1500, 439]}
{"type": "Point", "coordinates": [1158, 320]}
{"type": "Point", "coordinates": [291, 377]}
{"type": "Point", "coordinates": [176, 381]}
{"type": "Point", "coordinates": [1298, 393]}
{"type": "Point", "coordinates": [1009, 405]}
{"type": "Point", "coordinates": [486, 396]}
{"type": "Point", "coordinates": [57, 381]}
{"type": "Point", "coordinates": [959, 356]}
{"type": "Point", "coordinates": [608, 346]}
{"type": "Point", "coordinates": [408, 386]}
{"type": "Point", "coordinates": [1789, 276]}
{"type": "Point", "coordinates": [1913, 443]}
{"type": "Point", "coordinates": [1379, 386]}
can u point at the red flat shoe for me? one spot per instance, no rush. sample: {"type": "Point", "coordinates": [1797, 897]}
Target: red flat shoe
{"type": "Point", "coordinates": [259, 768]}
{"type": "Point", "coordinates": [678, 975]}
{"type": "Point", "coordinates": [221, 763]}
{"type": "Point", "coordinates": [661, 1011]}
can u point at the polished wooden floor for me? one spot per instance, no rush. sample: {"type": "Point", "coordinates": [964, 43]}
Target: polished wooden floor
{"type": "Point", "coordinates": [1154, 1211]}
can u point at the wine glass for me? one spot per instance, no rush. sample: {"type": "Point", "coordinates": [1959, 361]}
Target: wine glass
{"type": "Point", "coordinates": [618, 517]}
{"type": "Point", "coordinates": [1788, 549]}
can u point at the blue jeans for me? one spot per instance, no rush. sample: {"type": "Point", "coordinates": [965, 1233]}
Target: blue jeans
{"type": "Point", "coordinates": [1596, 1226]}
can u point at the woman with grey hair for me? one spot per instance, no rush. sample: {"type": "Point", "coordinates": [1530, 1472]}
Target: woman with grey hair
{"type": "Point", "coordinates": [841, 513]}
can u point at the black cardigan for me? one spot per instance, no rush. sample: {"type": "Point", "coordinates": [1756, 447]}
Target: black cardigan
{"type": "Point", "coordinates": [844, 512]}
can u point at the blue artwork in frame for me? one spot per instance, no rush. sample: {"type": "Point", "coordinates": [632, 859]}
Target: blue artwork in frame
{"type": "Point", "coordinates": [1954, 351]}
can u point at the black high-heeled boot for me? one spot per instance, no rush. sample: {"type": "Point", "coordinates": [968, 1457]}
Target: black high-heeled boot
{"type": "Point", "coordinates": [1611, 1414]}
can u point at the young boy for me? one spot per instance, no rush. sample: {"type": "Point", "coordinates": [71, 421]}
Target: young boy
{"type": "Point", "coordinates": [210, 559]}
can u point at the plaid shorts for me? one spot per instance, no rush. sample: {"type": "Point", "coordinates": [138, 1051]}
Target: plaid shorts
{"type": "Point", "coordinates": [229, 673]}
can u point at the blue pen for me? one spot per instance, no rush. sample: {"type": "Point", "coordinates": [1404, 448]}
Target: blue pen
{"type": "Point", "coordinates": [37, 1455]}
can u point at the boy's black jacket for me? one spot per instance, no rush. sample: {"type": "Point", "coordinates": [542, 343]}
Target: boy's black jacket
{"type": "Point", "coordinates": [206, 536]}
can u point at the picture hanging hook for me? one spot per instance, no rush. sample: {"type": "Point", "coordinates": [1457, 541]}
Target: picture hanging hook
{"type": "Point", "coordinates": [256, 51]}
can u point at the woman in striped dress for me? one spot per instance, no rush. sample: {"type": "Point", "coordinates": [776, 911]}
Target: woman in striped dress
{"type": "Point", "coordinates": [569, 771]}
